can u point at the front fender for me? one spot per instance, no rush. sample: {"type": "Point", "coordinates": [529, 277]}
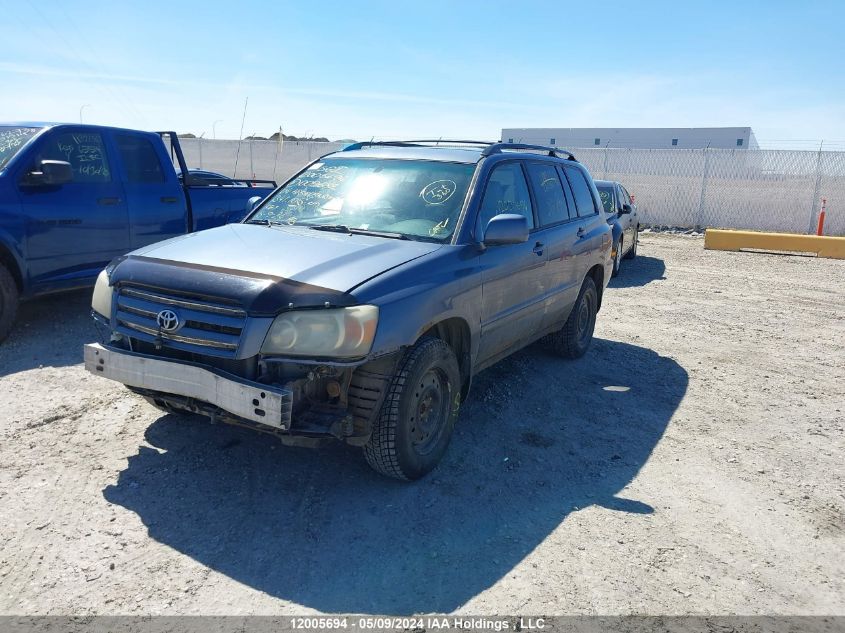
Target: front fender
{"type": "Point", "coordinates": [617, 230]}
{"type": "Point", "coordinates": [416, 296]}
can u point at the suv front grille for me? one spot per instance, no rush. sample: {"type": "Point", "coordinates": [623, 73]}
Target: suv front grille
{"type": "Point", "coordinates": [205, 327]}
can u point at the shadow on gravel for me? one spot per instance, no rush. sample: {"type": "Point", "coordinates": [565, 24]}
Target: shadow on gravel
{"type": "Point", "coordinates": [49, 331]}
{"type": "Point", "coordinates": [638, 272]}
{"type": "Point", "coordinates": [538, 439]}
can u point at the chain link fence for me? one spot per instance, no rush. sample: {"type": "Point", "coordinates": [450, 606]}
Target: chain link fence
{"type": "Point", "coordinates": [769, 190]}
{"type": "Point", "coordinates": [266, 160]}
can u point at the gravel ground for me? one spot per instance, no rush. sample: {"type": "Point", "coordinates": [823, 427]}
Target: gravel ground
{"type": "Point", "coordinates": [691, 463]}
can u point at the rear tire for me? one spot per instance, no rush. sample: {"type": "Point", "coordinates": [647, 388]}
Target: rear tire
{"type": "Point", "coordinates": [573, 339]}
{"type": "Point", "coordinates": [9, 297]}
{"type": "Point", "coordinates": [416, 419]}
{"type": "Point", "coordinates": [632, 252]}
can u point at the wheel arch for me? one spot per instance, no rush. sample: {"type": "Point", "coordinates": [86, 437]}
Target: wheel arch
{"type": "Point", "coordinates": [10, 261]}
{"type": "Point", "coordinates": [597, 275]}
{"type": "Point", "coordinates": [455, 332]}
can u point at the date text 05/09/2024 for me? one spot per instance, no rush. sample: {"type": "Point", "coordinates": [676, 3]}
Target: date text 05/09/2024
{"type": "Point", "coordinates": [428, 623]}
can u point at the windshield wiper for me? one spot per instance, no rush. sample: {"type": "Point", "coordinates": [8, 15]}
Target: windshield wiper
{"type": "Point", "coordinates": [336, 228]}
{"type": "Point", "coordinates": [395, 236]}
{"type": "Point", "coordinates": [264, 222]}
{"type": "Point", "coordinates": [342, 228]}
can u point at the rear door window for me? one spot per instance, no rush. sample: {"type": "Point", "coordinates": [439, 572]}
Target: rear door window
{"type": "Point", "coordinates": [506, 192]}
{"type": "Point", "coordinates": [139, 159]}
{"type": "Point", "coordinates": [548, 193]}
{"type": "Point", "coordinates": [85, 152]}
{"type": "Point", "coordinates": [584, 201]}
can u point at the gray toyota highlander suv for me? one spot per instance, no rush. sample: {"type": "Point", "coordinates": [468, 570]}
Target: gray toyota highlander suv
{"type": "Point", "coordinates": [358, 300]}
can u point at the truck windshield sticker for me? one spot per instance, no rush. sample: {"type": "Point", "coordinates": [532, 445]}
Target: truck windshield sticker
{"type": "Point", "coordinates": [438, 191]}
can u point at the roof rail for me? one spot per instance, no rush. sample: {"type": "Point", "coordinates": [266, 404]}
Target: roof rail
{"type": "Point", "coordinates": [451, 141]}
{"type": "Point", "coordinates": [414, 143]}
{"type": "Point", "coordinates": [497, 148]}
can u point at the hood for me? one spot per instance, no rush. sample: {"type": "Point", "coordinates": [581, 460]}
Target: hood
{"type": "Point", "coordinates": [266, 268]}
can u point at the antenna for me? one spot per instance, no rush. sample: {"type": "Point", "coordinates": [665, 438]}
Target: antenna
{"type": "Point", "coordinates": [240, 138]}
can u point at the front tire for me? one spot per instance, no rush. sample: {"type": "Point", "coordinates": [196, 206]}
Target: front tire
{"type": "Point", "coordinates": [9, 298]}
{"type": "Point", "coordinates": [632, 252]}
{"type": "Point", "coordinates": [573, 339]}
{"type": "Point", "coordinates": [617, 258]}
{"type": "Point", "coordinates": [418, 415]}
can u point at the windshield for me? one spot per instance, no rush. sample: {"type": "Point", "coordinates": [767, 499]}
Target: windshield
{"type": "Point", "coordinates": [412, 198]}
{"type": "Point", "coordinates": [606, 195]}
{"type": "Point", "coordinates": [12, 139]}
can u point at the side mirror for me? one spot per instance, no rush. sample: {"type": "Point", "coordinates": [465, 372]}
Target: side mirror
{"type": "Point", "coordinates": [506, 228]}
{"type": "Point", "coordinates": [51, 173]}
{"type": "Point", "coordinates": [252, 203]}
{"type": "Point", "coordinates": [626, 208]}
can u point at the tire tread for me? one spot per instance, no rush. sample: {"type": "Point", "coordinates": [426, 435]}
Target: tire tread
{"type": "Point", "coordinates": [381, 451]}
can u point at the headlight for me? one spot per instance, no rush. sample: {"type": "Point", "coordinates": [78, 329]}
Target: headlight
{"type": "Point", "coordinates": [336, 333]}
{"type": "Point", "coordinates": [101, 301]}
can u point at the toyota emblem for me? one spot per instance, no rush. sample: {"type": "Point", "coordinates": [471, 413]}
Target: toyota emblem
{"type": "Point", "coordinates": [168, 321]}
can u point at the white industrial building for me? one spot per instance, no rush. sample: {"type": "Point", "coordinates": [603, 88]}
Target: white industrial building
{"type": "Point", "coordinates": [635, 137]}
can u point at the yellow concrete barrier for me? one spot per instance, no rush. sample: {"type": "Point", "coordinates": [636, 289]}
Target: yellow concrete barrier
{"type": "Point", "coordinates": [821, 245]}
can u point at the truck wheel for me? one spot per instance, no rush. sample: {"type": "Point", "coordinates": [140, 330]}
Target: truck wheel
{"type": "Point", "coordinates": [632, 252]}
{"type": "Point", "coordinates": [415, 423]}
{"type": "Point", "coordinates": [573, 339]}
{"type": "Point", "coordinates": [8, 301]}
{"type": "Point", "coordinates": [617, 257]}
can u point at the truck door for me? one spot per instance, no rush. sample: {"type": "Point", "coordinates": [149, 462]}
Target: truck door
{"type": "Point", "coordinates": [73, 230]}
{"type": "Point", "coordinates": [157, 207]}
{"type": "Point", "coordinates": [512, 274]}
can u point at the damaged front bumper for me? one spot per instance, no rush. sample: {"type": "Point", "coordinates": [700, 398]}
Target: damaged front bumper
{"type": "Point", "coordinates": [263, 404]}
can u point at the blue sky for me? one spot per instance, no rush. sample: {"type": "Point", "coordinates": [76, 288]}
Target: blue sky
{"type": "Point", "coordinates": [435, 68]}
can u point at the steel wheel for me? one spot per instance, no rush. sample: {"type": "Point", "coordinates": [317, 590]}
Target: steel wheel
{"type": "Point", "coordinates": [431, 409]}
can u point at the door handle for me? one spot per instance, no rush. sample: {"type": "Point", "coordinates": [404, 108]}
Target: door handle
{"type": "Point", "coordinates": [538, 248]}
{"type": "Point", "coordinates": [169, 199]}
{"type": "Point", "coordinates": [581, 231]}
{"type": "Point", "coordinates": [108, 202]}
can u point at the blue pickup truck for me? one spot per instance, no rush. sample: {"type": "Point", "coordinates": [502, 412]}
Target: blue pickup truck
{"type": "Point", "coordinates": [73, 197]}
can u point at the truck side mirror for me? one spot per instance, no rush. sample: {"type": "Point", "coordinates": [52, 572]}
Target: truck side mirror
{"type": "Point", "coordinates": [51, 173]}
{"type": "Point", "coordinates": [626, 208]}
{"type": "Point", "coordinates": [252, 203]}
{"type": "Point", "coordinates": [506, 228]}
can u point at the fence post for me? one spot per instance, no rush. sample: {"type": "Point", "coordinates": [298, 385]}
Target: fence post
{"type": "Point", "coordinates": [276, 157]}
{"type": "Point", "coordinates": [699, 221]}
{"type": "Point", "coordinates": [816, 191]}
{"type": "Point", "coordinates": [251, 167]}
{"type": "Point", "coordinates": [605, 161]}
